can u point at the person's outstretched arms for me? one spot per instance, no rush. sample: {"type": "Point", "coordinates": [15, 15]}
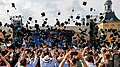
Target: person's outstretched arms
{"type": "Point", "coordinates": [6, 62]}
{"type": "Point", "coordinates": [80, 56]}
{"type": "Point", "coordinates": [35, 59]}
{"type": "Point", "coordinates": [64, 60]}
{"type": "Point", "coordinates": [22, 55]}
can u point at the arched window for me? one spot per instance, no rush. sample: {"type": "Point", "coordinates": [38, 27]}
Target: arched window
{"type": "Point", "coordinates": [106, 26]}
{"type": "Point", "coordinates": [112, 26]}
{"type": "Point", "coordinates": [119, 27]}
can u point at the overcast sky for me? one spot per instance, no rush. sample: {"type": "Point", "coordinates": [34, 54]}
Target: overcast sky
{"type": "Point", "coordinates": [34, 8]}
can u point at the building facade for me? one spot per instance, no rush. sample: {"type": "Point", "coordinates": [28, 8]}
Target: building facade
{"type": "Point", "coordinates": [110, 19]}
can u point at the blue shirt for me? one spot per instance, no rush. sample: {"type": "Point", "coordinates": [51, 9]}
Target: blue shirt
{"type": "Point", "coordinates": [51, 63]}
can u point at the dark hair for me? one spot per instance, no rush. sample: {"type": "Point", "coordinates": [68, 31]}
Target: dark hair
{"type": "Point", "coordinates": [89, 58]}
{"type": "Point", "coordinates": [23, 62]}
{"type": "Point", "coordinates": [104, 50]}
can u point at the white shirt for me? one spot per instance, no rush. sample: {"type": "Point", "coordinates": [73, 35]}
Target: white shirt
{"type": "Point", "coordinates": [51, 63]}
{"type": "Point", "coordinates": [90, 64]}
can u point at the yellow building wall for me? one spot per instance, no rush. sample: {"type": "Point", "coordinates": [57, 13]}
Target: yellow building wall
{"type": "Point", "coordinates": [100, 26]}
{"type": "Point", "coordinates": [109, 26]}
{"type": "Point", "coordinates": [116, 24]}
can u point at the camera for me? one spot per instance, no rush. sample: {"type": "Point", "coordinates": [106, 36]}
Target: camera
{"type": "Point", "coordinates": [74, 53]}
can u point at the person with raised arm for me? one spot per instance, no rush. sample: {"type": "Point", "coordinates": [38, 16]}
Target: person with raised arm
{"type": "Point", "coordinates": [5, 61]}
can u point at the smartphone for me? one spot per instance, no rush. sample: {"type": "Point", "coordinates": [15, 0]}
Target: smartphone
{"type": "Point", "coordinates": [74, 53]}
{"type": "Point", "coordinates": [110, 63]}
{"type": "Point", "coordinates": [116, 60]}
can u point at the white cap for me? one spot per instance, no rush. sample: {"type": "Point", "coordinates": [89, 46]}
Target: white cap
{"type": "Point", "coordinates": [46, 58]}
{"type": "Point", "coordinates": [8, 44]}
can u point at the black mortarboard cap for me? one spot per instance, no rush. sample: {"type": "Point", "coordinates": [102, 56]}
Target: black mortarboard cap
{"type": "Point", "coordinates": [5, 24]}
{"type": "Point", "coordinates": [116, 33]}
{"type": "Point", "coordinates": [30, 27]}
{"type": "Point", "coordinates": [79, 24]}
{"type": "Point", "coordinates": [109, 30]}
{"type": "Point", "coordinates": [59, 13]}
{"type": "Point", "coordinates": [47, 26]}
{"type": "Point", "coordinates": [62, 24]}
{"type": "Point", "coordinates": [78, 17]}
{"type": "Point", "coordinates": [4, 32]}
{"type": "Point", "coordinates": [55, 29]}
{"type": "Point", "coordinates": [95, 19]}
{"type": "Point", "coordinates": [11, 25]}
{"type": "Point", "coordinates": [113, 30]}
{"type": "Point", "coordinates": [73, 21]}
{"type": "Point", "coordinates": [106, 30]}
{"type": "Point", "coordinates": [20, 16]}
{"type": "Point", "coordinates": [91, 9]}
{"type": "Point", "coordinates": [28, 22]}
{"type": "Point", "coordinates": [85, 29]}
{"type": "Point", "coordinates": [68, 19]}
{"type": "Point", "coordinates": [64, 27]}
{"type": "Point", "coordinates": [87, 16]}
{"type": "Point", "coordinates": [56, 19]}
{"type": "Point", "coordinates": [46, 19]}
{"type": "Point", "coordinates": [104, 21]}
{"type": "Point", "coordinates": [84, 3]}
{"type": "Point", "coordinates": [73, 9]}
{"type": "Point", "coordinates": [118, 36]}
{"type": "Point", "coordinates": [10, 18]}
{"type": "Point", "coordinates": [58, 22]}
{"type": "Point", "coordinates": [30, 18]}
{"type": "Point", "coordinates": [43, 25]}
{"type": "Point", "coordinates": [101, 17]}
{"type": "Point", "coordinates": [76, 23]}
{"type": "Point", "coordinates": [103, 32]}
{"type": "Point", "coordinates": [13, 4]}
{"type": "Point", "coordinates": [111, 35]}
{"type": "Point", "coordinates": [71, 16]}
{"type": "Point", "coordinates": [101, 14]}
{"type": "Point", "coordinates": [80, 29]}
{"type": "Point", "coordinates": [43, 14]}
{"type": "Point", "coordinates": [26, 25]}
{"type": "Point", "coordinates": [7, 11]}
{"type": "Point", "coordinates": [87, 24]}
{"type": "Point", "coordinates": [66, 22]}
{"type": "Point", "coordinates": [45, 22]}
{"type": "Point", "coordinates": [36, 25]}
{"type": "Point", "coordinates": [35, 21]}
{"type": "Point", "coordinates": [0, 24]}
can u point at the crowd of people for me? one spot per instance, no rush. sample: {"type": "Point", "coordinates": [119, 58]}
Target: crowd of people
{"type": "Point", "coordinates": [58, 48]}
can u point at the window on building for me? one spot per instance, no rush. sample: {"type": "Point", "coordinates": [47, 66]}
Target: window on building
{"type": "Point", "coordinates": [113, 26]}
{"type": "Point", "coordinates": [106, 27]}
{"type": "Point", "coordinates": [119, 27]}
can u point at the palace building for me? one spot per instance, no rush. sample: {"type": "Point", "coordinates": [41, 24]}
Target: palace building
{"type": "Point", "coordinates": [110, 20]}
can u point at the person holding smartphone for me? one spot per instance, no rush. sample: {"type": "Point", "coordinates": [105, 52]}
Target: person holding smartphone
{"type": "Point", "coordinates": [74, 58]}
